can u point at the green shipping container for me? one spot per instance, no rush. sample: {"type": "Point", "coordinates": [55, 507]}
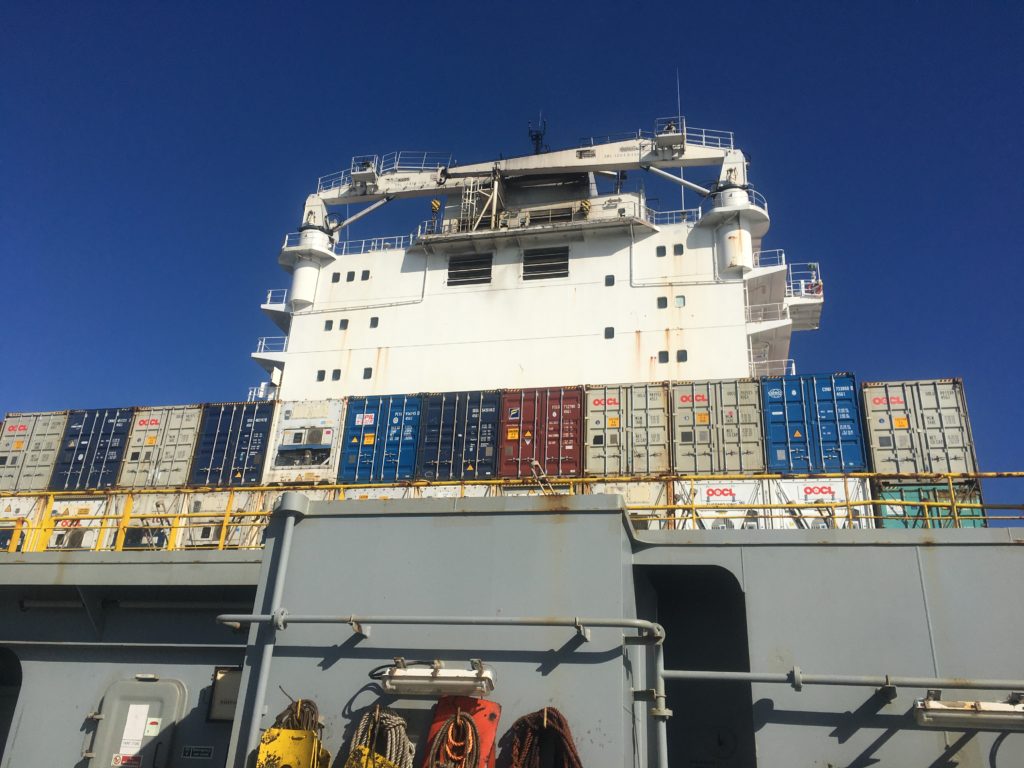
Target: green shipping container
{"type": "Point", "coordinates": [909, 515]}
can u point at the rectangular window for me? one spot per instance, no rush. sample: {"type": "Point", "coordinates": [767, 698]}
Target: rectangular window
{"type": "Point", "coordinates": [343, 324]}
{"type": "Point", "coordinates": [336, 277]}
{"type": "Point", "coordinates": [680, 301]}
{"type": "Point", "coordinates": [336, 374]}
{"type": "Point", "coordinates": [374, 322]}
{"type": "Point", "coordinates": [677, 249]}
{"type": "Point", "coordinates": [663, 356]}
{"type": "Point", "coordinates": [365, 275]}
{"type": "Point", "coordinates": [680, 355]}
{"type": "Point", "coordinates": [542, 263]}
{"type": "Point", "coordinates": [328, 324]}
{"type": "Point", "coordinates": [470, 270]}
{"type": "Point", "coordinates": [350, 276]}
{"type": "Point", "coordinates": [367, 373]}
{"type": "Point", "coordinates": [660, 251]}
{"type": "Point", "coordinates": [662, 302]}
{"type": "Point", "coordinates": [609, 281]}
{"type": "Point", "coordinates": [609, 333]}
{"type": "Point", "coordinates": [321, 375]}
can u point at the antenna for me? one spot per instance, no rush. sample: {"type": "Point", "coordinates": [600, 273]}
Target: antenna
{"type": "Point", "coordinates": [537, 134]}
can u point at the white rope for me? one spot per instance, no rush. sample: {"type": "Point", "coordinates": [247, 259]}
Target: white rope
{"type": "Point", "coordinates": [383, 721]}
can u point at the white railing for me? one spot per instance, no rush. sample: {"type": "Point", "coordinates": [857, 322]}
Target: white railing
{"type": "Point", "coordinates": [760, 368]}
{"type": "Point", "coordinates": [271, 344]}
{"type": "Point", "coordinates": [725, 196]}
{"type": "Point", "coordinates": [772, 258]}
{"type": "Point", "coordinates": [277, 296]}
{"type": "Point", "coordinates": [333, 181]}
{"type": "Point", "coordinates": [708, 137]}
{"type": "Point", "coordinates": [758, 313]}
{"type": "Point", "coordinates": [365, 164]}
{"type": "Point", "coordinates": [804, 280]}
{"type": "Point", "coordinates": [683, 216]}
{"type": "Point", "coordinates": [355, 247]}
{"type": "Point", "coordinates": [262, 391]}
{"type": "Point", "coordinates": [674, 124]}
{"type": "Point", "coordinates": [395, 162]}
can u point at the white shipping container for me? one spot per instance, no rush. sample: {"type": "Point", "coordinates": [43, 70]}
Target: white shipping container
{"type": "Point", "coordinates": [28, 449]}
{"type": "Point", "coordinates": [919, 427]}
{"type": "Point", "coordinates": [722, 504]}
{"type": "Point", "coordinates": [160, 447]}
{"type": "Point", "coordinates": [831, 501]}
{"type": "Point", "coordinates": [306, 442]}
{"type": "Point", "coordinates": [644, 494]}
{"type": "Point", "coordinates": [159, 518]}
{"type": "Point", "coordinates": [19, 510]}
{"type": "Point", "coordinates": [627, 430]}
{"type": "Point", "coordinates": [84, 523]}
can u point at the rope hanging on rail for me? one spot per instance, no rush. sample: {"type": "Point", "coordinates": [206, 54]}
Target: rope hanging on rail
{"type": "Point", "coordinates": [456, 744]}
{"type": "Point", "coordinates": [300, 715]}
{"type": "Point", "coordinates": [381, 733]}
{"type": "Point", "coordinates": [543, 738]}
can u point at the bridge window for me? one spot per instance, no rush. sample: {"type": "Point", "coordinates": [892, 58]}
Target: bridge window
{"type": "Point", "coordinates": [367, 373]}
{"type": "Point", "coordinates": [680, 355]}
{"type": "Point", "coordinates": [374, 322]}
{"type": "Point", "coordinates": [609, 333]}
{"type": "Point", "coordinates": [365, 275]}
{"type": "Point", "coordinates": [321, 375]}
{"type": "Point", "coordinates": [609, 281]}
{"type": "Point", "coordinates": [663, 302]}
{"type": "Point", "coordinates": [336, 374]}
{"type": "Point", "coordinates": [328, 324]}
{"type": "Point", "coordinates": [343, 324]}
{"type": "Point", "coordinates": [663, 356]}
{"type": "Point", "coordinates": [470, 270]}
{"type": "Point", "coordinates": [336, 277]}
{"type": "Point", "coordinates": [660, 251]}
{"type": "Point", "coordinates": [350, 276]}
{"type": "Point", "coordinates": [542, 263]}
{"type": "Point", "coordinates": [677, 249]}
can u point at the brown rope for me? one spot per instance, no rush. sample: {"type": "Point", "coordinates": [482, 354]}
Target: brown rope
{"type": "Point", "coordinates": [531, 739]}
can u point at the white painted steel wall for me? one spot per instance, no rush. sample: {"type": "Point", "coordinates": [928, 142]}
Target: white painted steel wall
{"type": "Point", "coordinates": [429, 336]}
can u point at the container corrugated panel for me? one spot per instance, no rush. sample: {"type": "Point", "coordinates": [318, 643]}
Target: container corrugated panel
{"type": "Point", "coordinates": [232, 445]}
{"type": "Point", "coordinates": [919, 426]}
{"type": "Point", "coordinates": [459, 436]}
{"type": "Point", "coordinates": [717, 427]}
{"type": "Point", "coordinates": [160, 446]}
{"type": "Point", "coordinates": [911, 515]}
{"type": "Point", "coordinates": [92, 449]}
{"type": "Point", "coordinates": [380, 440]}
{"type": "Point", "coordinates": [306, 443]}
{"type": "Point", "coordinates": [85, 523]}
{"type": "Point", "coordinates": [627, 430]}
{"type": "Point", "coordinates": [543, 426]}
{"type": "Point", "coordinates": [813, 423]}
{"type": "Point", "coordinates": [819, 503]}
{"type": "Point", "coordinates": [28, 449]}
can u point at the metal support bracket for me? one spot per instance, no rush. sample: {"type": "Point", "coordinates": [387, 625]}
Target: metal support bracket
{"type": "Point", "coordinates": [644, 694]}
{"type": "Point", "coordinates": [582, 631]}
{"type": "Point", "coordinates": [358, 628]}
{"type": "Point", "coordinates": [796, 679]}
{"type": "Point", "coordinates": [279, 618]}
{"type": "Point", "coordinates": [887, 691]}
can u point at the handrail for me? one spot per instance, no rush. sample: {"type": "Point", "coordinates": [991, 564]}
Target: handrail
{"type": "Point", "coordinates": [370, 244]}
{"type": "Point", "coordinates": [721, 199]}
{"type": "Point", "coordinates": [804, 280]}
{"type": "Point", "coordinates": [271, 344]}
{"type": "Point", "coordinates": [276, 296]}
{"type": "Point", "coordinates": [770, 258]}
{"type": "Point", "coordinates": [757, 313]}
{"type": "Point", "coordinates": [413, 161]}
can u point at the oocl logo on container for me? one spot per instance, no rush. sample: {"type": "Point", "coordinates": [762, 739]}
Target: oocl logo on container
{"type": "Point", "coordinates": [693, 398]}
{"type": "Point", "coordinates": [17, 428]}
{"type": "Point", "coordinates": [819, 490]}
{"type": "Point", "coordinates": [711, 493]}
{"type": "Point", "coordinates": [149, 422]}
{"type": "Point", "coordinates": [606, 401]}
{"type": "Point", "coordinates": [887, 401]}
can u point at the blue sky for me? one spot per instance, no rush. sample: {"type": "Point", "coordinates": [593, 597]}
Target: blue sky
{"type": "Point", "coordinates": [152, 155]}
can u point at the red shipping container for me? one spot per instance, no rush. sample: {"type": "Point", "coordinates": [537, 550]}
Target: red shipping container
{"type": "Point", "coordinates": [542, 425]}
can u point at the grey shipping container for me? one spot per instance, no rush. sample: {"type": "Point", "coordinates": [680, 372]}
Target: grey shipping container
{"type": "Point", "coordinates": [627, 430]}
{"type": "Point", "coordinates": [160, 446]}
{"type": "Point", "coordinates": [28, 449]}
{"type": "Point", "coordinates": [919, 426]}
{"type": "Point", "coordinates": [306, 442]}
{"type": "Point", "coordinates": [716, 427]}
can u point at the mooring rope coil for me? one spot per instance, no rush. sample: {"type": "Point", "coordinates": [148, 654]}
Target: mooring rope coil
{"type": "Point", "coordinates": [384, 732]}
{"type": "Point", "coordinates": [545, 733]}
{"type": "Point", "coordinates": [456, 744]}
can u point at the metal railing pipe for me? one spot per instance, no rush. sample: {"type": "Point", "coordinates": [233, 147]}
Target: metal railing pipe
{"type": "Point", "coordinates": [797, 678]}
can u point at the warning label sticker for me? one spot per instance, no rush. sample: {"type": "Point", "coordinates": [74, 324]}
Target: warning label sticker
{"type": "Point", "coordinates": [703, 418]}
{"type": "Point", "coordinates": [369, 438]}
{"type": "Point", "coordinates": [901, 422]}
{"type": "Point", "coordinates": [126, 760]}
{"type": "Point", "coordinates": [512, 433]}
{"type": "Point", "coordinates": [151, 440]}
{"type": "Point", "coordinates": [613, 421]}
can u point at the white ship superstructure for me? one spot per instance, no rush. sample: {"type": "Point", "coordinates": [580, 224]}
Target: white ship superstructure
{"type": "Point", "coordinates": [538, 270]}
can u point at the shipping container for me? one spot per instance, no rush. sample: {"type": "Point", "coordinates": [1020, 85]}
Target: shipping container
{"type": "Point", "coordinates": [306, 442]}
{"type": "Point", "coordinates": [813, 423]}
{"type": "Point", "coordinates": [819, 503]}
{"type": "Point", "coordinates": [84, 523]}
{"type": "Point", "coordinates": [717, 427]}
{"type": "Point", "coordinates": [232, 445]}
{"type": "Point", "coordinates": [647, 502]}
{"type": "Point", "coordinates": [380, 440]}
{"type": "Point", "coordinates": [92, 449]}
{"type": "Point", "coordinates": [197, 520]}
{"type": "Point", "coordinates": [28, 449]}
{"type": "Point", "coordinates": [541, 432]}
{"type": "Point", "coordinates": [21, 515]}
{"type": "Point", "coordinates": [160, 446]}
{"type": "Point", "coordinates": [921, 514]}
{"type": "Point", "coordinates": [627, 430]}
{"type": "Point", "coordinates": [721, 504]}
{"type": "Point", "coordinates": [919, 427]}
{"type": "Point", "coordinates": [459, 436]}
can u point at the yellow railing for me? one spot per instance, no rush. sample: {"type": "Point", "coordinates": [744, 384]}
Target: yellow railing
{"type": "Point", "coordinates": [218, 519]}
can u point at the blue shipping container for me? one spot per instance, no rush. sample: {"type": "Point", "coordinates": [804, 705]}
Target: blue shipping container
{"type": "Point", "coordinates": [813, 424]}
{"type": "Point", "coordinates": [458, 436]}
{"type": "Point", "coordinates": [232, 445]}
{"type": "Point", "coordinates": [381, 436]}
{"type": "Point", "coordinates": [92, 449]}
